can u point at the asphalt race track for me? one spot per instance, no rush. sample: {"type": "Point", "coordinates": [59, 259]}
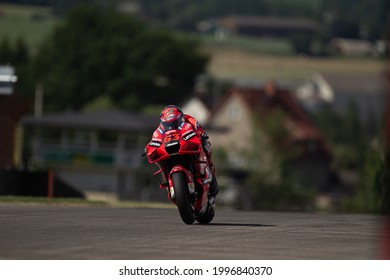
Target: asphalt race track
{"type": "Point", "coordinates": [85, 232]}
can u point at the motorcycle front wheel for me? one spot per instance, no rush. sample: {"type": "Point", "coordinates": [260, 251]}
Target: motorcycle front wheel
{"type": "Point", "coordinates": [208, 216]}
{"type": "Point", "coordinates": [182, 198]}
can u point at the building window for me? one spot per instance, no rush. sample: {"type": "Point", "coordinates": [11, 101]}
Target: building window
{"type": "Point", "coordinates": [234, 113]}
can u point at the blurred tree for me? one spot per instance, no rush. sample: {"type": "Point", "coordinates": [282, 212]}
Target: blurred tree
{"type": "Point", "coordinates": [301, 43]}
{"type": "Point", "coordinates": [6, 52]}
{"type": "Point", "coordinates": [270, 183]}
{"type": "Point", "coordinates": [17, 54]}
{"type": "Point", "coordinates": [348, 138]}
{"type": "Point", "coordinates": [344, 28]}
{"type": "Point", "coordinates": [21, 59]}
{"type": "Point", "coordinates": [356, 18]}
{"type": "Point", "coordinates": [21, 55]}
{"type": "Point", "coordinates": [101, 52]}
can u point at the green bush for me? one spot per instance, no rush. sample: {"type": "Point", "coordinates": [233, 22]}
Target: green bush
{"type": "Point", "coordinates": [285, 195]}
{"type": "Point", "coordinates": [372, 193]}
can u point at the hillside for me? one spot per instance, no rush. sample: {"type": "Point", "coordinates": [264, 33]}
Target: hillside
{"type": "Point", "coordinates": [237, 57]}
{"type": "Point", "coordinates": [235, 63]}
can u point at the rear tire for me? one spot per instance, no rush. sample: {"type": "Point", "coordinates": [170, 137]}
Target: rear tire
{"type": "Point", "coordinates": [182, 198]}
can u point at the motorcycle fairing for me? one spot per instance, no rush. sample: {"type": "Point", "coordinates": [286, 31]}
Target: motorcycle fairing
{"type": "Point", "coordinates": [173, 142]}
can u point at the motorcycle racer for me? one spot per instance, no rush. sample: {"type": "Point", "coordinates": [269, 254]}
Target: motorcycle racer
{"type": "Point", "coordinates": [172, 117]}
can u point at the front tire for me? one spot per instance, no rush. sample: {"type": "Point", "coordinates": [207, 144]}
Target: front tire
{"type": "Point", "coordinates": [182, 198]}
{"type": "Point", "coordinates": [208, 216]}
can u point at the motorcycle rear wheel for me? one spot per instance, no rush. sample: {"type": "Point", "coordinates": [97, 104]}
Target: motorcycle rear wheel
{"type": "Point", "coordinates": [182, 198]}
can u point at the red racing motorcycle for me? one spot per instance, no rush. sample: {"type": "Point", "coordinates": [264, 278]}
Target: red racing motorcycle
{"type": "Point", "coordinates": [184, 172]}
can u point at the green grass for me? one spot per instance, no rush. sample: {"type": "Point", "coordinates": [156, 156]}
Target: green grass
{"type": "Point", "coordinates": [29, 23]}
{"type": "Point", "coordinates": [254, 45]}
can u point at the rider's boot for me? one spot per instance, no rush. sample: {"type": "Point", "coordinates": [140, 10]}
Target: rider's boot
{"type": "Point", "coordinates": [213, 191]}
{"type": "Point", "coordinates": [214, 188]}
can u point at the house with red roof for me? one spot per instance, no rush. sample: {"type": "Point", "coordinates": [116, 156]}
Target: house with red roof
{"type": "Point", "coordinates": [259, 126]}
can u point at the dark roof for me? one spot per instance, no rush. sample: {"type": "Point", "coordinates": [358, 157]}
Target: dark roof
{"type": "Point", "coordinates": [112, 120]}
{"type": "Point", "coordinates": [262, 24]}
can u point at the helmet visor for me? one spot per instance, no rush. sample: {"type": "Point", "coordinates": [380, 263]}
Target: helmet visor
{"type": "Point", "coordinates": [172, 124]}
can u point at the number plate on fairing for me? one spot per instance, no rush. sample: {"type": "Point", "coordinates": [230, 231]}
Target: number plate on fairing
{"type": "Point", "coordinates": [172, 143]}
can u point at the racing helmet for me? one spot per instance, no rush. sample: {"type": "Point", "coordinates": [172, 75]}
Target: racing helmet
{"type": "Point", "coordinates": [171, 117]}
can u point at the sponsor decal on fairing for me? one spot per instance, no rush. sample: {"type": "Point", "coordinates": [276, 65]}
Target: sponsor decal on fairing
{"type": "Point", "coordinates": [189, 135]}
{"type": "Point", "coordinates": [155, 144]}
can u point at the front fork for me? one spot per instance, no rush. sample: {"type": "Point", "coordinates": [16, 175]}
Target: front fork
{"type": "Point", "coordinates": [166, 183]}
{"type": "Point", "coordinates": [189, 179]}
{"type": "Point", "coordinates": [203, 181]}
